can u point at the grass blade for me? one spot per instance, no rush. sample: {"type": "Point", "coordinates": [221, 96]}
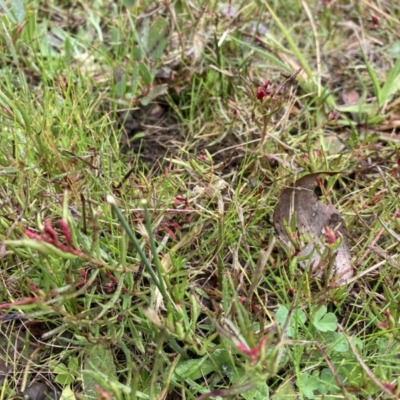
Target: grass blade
{"type": "Point", "coordinates": [392, 83]}
{"type": "Point", "coordinates": [297, 52]}
{"type": "Point", "coordinates": [158, 281]}
{"type": "Point", "coordinates": [374, 79]}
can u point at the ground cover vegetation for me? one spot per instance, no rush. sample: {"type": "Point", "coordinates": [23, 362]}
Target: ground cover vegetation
{"type": "Point", "coordinates": [199, 199]}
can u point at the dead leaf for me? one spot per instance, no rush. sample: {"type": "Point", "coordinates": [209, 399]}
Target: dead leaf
{"type": "Point", "coordinates": [228, 10]}
{"type": "Point", "coordinates": [350, 97]}
{"type": "Point", "coordinates": [313, 221]}
{"type": "Point", "coordinates": [199, 42]}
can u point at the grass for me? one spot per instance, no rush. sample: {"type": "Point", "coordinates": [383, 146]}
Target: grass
{"type": "Point", "coordinates": [124, 279]}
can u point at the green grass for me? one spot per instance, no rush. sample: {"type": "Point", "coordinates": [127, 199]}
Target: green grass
{"type": "Point", "coordinates": [168, 282]}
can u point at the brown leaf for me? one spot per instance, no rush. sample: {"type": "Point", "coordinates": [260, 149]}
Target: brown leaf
{"type": "Point", "coordinates": [314, 220]}
{"type": "Point", "coordinates": [350, 97]}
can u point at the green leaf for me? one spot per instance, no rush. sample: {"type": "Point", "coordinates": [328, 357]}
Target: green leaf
{"type": "Point", "coordinates": [134, 79]}
{"type": "Point", "coordinates": [63, 374]}
{"type": "Point", "coordinates": [285, 391]}
{"type": "Point", "coordinates": [268, 56]}
{"type": "Point", "coordinates": [42, 247]}
{"type": "Point", "coordinates": [19, 10]}
{"type": "Point", "coordinates": [358, 343]}
{"type": "Point", "coordinates": [374, 79]}
{"type": "Point", "coordinates": [73, 365]}
{"type": "Point", "coordinates": [144, 101]}
{"type": "Point", "coordinates": [67, 393]}
{"type": "Point", "coordinates": [139, 135]}
{"type": "Point", "coordinates": [119, 81]}
{"type": "Point", "coordinates": [145, 74]}
{"type": "Point", "coordinates": [157, 91]}
{"type": "Point", "coordinates": [193, 369]}
{"type": "Point", "coordinates": [369, 109]}
{"type": "Point", "coordinates": [260, 392]}
{"type": "Point", "coordinates": [341, 344]}
{"type": "Point", "coordinates": [5, 8]}
{"type": "Point", "coordinates": [222, 358]}
{"type": "Point", "coordinates": [329, 381]}
{"type": "Point", "coordinates": [392, 82]}
{"type": "Point", "coordinates": [298, 319]}
{"type": "Point", "coordinates": [308, 384]}
{"type": "Point", "coordinates": [157, 40]}
{"type": "Point", "coordinates": [100, 359]}
{"type": "Point", "coordinates": [324, 322]}
{"type": "Point", "coordinates": [394, 49]}
{"type": "Point", "coordinates": [299, 53]}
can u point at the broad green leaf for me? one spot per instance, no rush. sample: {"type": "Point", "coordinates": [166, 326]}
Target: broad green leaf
{"type": "Point", "coordinates": [392, 82]}
{"type": "Point", "coordinates": [194, 368]}
{"type": "Point", "coordinates": [260, 392]}
{"type": "Point", "coordinates": [142, 37]}
{"type": "Point", "coordinates": [63, 374]}
{"type": "Point", "coordinates": [358, 343]}
{"type": "Point", "coordinates": [157, 91]}
{"type": "Point", "coordinates": [359, 108]}
{"type": "Point", "coordinates": [298, 319]}
{"type": "Point", "coordinates": [157, 40]}
{"type": "Point", "coordinates": [328, 380]}
{"type": "Point", "coordinates": [144, 101]}
{"type": "Point", "coordinates": [99, 362]}
{"type": "Point", "coordinates": [120, 81]}
{"type": "Point", "coordinates": [222, 358]}
{"type": "Point", "coordinates": [341, 344]}
{"type": "Point", "coordinates": [308, 384]}
{"type": "Point", "coordinates": [145, 74]}
{"type": "Point", "coordinates": [324, 322]}
{"type": "Point", "coordinates": [285, 391]}
{"type": "Point", "coordinates": [219, 361]}
{"type": "Point", "coordinates": [134, 79]}
{"type": "Point", "coordinates": [394, 49]}
{"type": "Point", "coordinates": [137, 136]}
{"type": "Point", "coordinates": [73, 365]}
{"type": "Point", "coordinates": [67, 393]}
{"type": "Point", "coordinates": [137, 53]}
{"type": "Point", "coordinates": [19, 10]}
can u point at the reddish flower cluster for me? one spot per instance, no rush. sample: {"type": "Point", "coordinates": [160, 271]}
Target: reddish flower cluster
{"type": "Point", "coordinates": [388, 322]}
{"type": "Point", "coordinates": [264, 91]}
{"type": "Point", "coordinates": [330, 235]}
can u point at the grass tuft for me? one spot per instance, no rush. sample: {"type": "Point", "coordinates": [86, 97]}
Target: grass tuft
{"type": "Point", "coordinates": [144, 150]}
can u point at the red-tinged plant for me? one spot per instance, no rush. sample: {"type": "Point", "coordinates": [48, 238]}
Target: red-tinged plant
{"type": "Point", "coordinates": [254, 353]}
{"type": "Point", "coordinates": [388, 323]}
{"type": "Point", "coordinates": [389, 386]}
{"type": "Point", "coordinates": [330, 235]}
{"type": "Point", "coordinates": [50, 236]}
{"type": "Point", "coordinates": [264, 90]}
{"type": "Point", "coordinates": [23, 302]}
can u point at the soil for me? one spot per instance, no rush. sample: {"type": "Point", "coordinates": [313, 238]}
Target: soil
{"type": "Point", "coordinates": [152, 134]}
